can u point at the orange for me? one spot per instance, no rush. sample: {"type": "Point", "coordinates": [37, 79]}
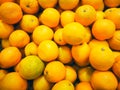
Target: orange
{"type": "Point", "coordinates": [83, 86]}
{"type": "Point", "coordinates": [3, 1]}
{"type": "Point", "coordinates": [29, 6]}
{"type": "Point", "coordinates": [41, 83]}
{"type": "Point", "coordinates": [10, 12]}
{"type": "Point", "coordinates": [5, 29]}
{"type": "Point", "coordinates": [103, 29]}
{"type": "Point", "coordinates": [5, 43]}
{"type": "Point", "coordinates": [58, 38]}
{"type": "Point", "coordinates": [104, 59]}
{"type": "Point", "coordinates": [19, 38]}
{"type": "Point", "coordinates": [94, 42]}
{"type": "Point", "coordinates": [114, 15]}
{"type": "Point", "coordinates": [106, 80]}
{"type": "Point", "coordinates": [97, 4]}
{"type": "Point", "coordinates": [67, 17]}
{"type": "Point", "coordinates": [64, 55]}
{"type": "Point", "coordinates": [85, 15]}
{"type": "Point", "coordinates": [74, 33]}
{"type": "Point", "coordinates": [100, 15]}
{"type": "Point", "coordinates": [71, 74]}
{"type": "Point", "coordinates": [112, 3]}
{"type": "Point", "coordinates": [50, 17]}
{"type": "Point", "coordinates": [81, 53]}
{"type": "Point", "coordinates": [13, 81]}
{"type": "Point", "coordinates": [2, 73]}
{"type": "Point", "coordinates": [42, 32]}
{"type": "Point", "coordinates": [55, 71]}
{"type": "Point", "coordinates": [47, 4]}
{"type": "Point", "coordinates": [116, 53]}
{"type": "Point", "coordinates": [116, 66]}
{"type": "Point", "coordinates": [68, 4]}
{"type": "Point", "coordinates": [31, 49]}
{"type": "Point", "coordinates": [48, 50]}
{"type": "Point", "coordinates": [63, 85]}
{"type": "Point", "coordinates": [114, 42]}
{"type": "Point", "coordinates": [85, 73]}
{"type": "Point", "coordinates": [9, 57]}
{"type": "Point", "coordinates": [29, 23]}
{"type": "Point", "coordinates": [88, 35]}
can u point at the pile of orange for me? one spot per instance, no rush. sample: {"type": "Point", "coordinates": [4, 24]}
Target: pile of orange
{"type": "Point", "coordinates": [60, 44]}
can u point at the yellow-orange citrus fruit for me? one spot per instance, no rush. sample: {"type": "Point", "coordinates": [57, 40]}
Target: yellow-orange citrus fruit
{"type": "Point", "coordinates": [41, 33]}
{"type": "Point", "coordinates": [9, 57]}
{"type": "Point", "coordinates": [13, 81]}
{"type": "Point", "coordinates": [46, 19]}
{"type": "Point", "coordinates": [5, 29]}
{"type": "Point", "coordinates": [103, 29]}
{"type": "Point", "coordinates": [104, 59]}
{"type": "Point", "coordinates": [85, 15]}
{"type": "Point", "coordinates": [19, 38]}
{"type": "Point", "coordinates": [74, 33]}
{"type": "Point", "coordinates": [47, 4]}
{"type": "Point", "coordinates": [48, 50]}
{"type": "Point", "coordinates": [29, 6]}
{"type": "Point", "coordinates": [10, 12]}
{"type": "Point", "coordinates": [106, 80]}
{"type": "Point", "coordinates": [112, 3]}
{"type": "Point", "coordinates": [63, 85]}
{"type": "Point", "coordinates": [55, 71]}
{"type": "Point", "coordinates": [29, 23]}
{"type": "Point", "coordinates": [81, 53]}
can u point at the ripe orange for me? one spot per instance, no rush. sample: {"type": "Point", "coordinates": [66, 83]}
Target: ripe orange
{"type": "Point", "coordinates": [58, 37]}
{"type": "Point", "coordinates": [46, 19]}
{"type": "Point", "coordinates": [19, 38]}
{"type": "Point", "coordinates": [41, 33]}
{"type": "Point", "coordinates": [100, 15]}
{"type": "Point", "coordinates": [41, 83]}
{"type": "Point", "coordinates": [30, 49]}
{"type": "Point", "coordinates": [13, 81]}
{"type": "Point", "coordinates": [67, 17]}
{"type": "Point", "coordinates": [63, 85]}
{"type": "Point", "coordinates": [5, 29]}
{"type": "Point", "coordinates": [85, 15]}
{"type": "Point", "coordinates": [29, 6]}
{"type": "Point", "coordinates": [112, 3]}
{"type": "Point", "coordinates": [103, 29]}
{"type": "Point", "coordinates": [68, 4]}
{"type": "Point", "coordinates": [114, 42]}
{"type": "Point", "coordinates": [55, 71]}
{"type": "Point", "coordinates": [81, 53]}
{"type": "Point", "coordinates": [48, 50]}
{"type": "Point", "coordinates": [85, 73]}
{"type": "Point", "coordinates": [104, 59]}
{"type": "Point", "coordinates": [114, 15]}
{"type": "Point", "coordinates": [47, 4]}
{"type": "Point", "coordinates": [116, 53]}
{"type": "Point", "coordinates": [9, 57]}
{"type": "Point", "coordinates": [71, 74]}
{"type": "Point", "coordinates": [83, 86]}
{"type": "Point", "coordinates": [29, 23]}
{"type": "Point", "coordinates": [97, 4]}
{"type": "Point", "coordinates": [64, 55]}
{"type": "Point", "coordinates": [106, 80]}
{"type": "Point", "coordinates": [10, 12]}
{"type": "Point", "coordinates": [3, 1]}
{"type": "Point", "coordinates": [74, 33]}
{"type": "Point", "coordinates": [116, 66]}
{"type": "Point", "coordinates": [94, 42]}
{"type": "Point", "coordinates": [5, 43]}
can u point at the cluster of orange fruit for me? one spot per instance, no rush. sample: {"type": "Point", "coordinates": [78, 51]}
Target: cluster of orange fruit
{"type": "Point", "coordinates": [60, 44]}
